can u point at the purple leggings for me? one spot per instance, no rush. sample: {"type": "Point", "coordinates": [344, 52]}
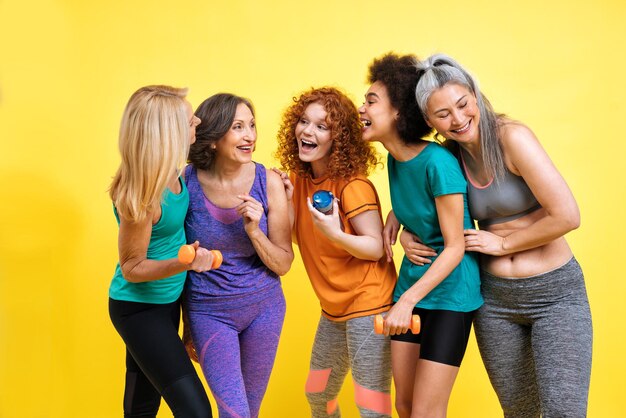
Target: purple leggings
{"type": "Point", "coordinates": [236, 346]}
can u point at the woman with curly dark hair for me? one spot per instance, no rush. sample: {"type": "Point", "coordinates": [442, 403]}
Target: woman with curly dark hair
{"type": "Point", "coordinates": [428, 196]}
{"type": "Point", "coordinates": [320, 145]}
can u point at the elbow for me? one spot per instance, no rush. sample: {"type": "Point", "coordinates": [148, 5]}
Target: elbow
{"type": "Point", "coordinates": [129, 273]}
{"type": "Point", "coordinates": [378, 251]}
{"type": "Point", "coordinates": [284, 267]}
{"type": "Point", "coordinates": [377, 255]}
{"type": "Point", "coordinates": [570, 221]}
{"type": "Point", "coordinates": [456, 252]}
{"type": "Point", "coordinates": [129, 276]}
{"type": "Point", "coordinates": [574, 221]}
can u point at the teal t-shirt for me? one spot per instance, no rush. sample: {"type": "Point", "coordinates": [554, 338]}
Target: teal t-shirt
{"type": "Point", "coordinates": [168, 234]}
{"type": "Point", "coordinates": [414, 185]}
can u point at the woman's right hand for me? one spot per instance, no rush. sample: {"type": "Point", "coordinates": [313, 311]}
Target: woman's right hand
{"type": "Point", "coordinates": [415, 250]}
{"type": "Point", "coordinates": [398, 319]}
{"type": "Point", "coordinates": [203, 259]}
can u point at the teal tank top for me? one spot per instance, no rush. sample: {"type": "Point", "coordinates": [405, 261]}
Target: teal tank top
{"type": "Point", "coordinates": [414, 185]}
{"type": "Point", "coordinates": [168, 234]}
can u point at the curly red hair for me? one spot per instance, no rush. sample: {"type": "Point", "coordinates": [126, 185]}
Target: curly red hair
{"type": "Point", "coordinates": [349, 155]}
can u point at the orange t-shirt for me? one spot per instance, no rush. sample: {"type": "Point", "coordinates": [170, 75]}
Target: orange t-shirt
{"type": "Point", "coordinates": [347, 287]}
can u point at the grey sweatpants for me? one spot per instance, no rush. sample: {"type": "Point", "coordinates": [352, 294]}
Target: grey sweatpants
{"type": "Point", "coordinates": [340, 346]}
{"type": "Point", "coordinates": [535, 337]}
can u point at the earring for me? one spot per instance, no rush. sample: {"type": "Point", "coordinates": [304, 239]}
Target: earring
{"type": "Point", "coordinates": [213, 146]}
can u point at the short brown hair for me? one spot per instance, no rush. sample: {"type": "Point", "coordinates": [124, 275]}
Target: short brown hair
{"type": "Point", "coordinates": [217, 114]}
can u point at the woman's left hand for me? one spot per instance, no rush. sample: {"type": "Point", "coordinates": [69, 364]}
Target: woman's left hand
{"type": "Point", "coordinates": [251, 211]}
{"type": "Point", "coordinates": [484, 242]}
{"type": "Point", "coordinates": [330, 225]}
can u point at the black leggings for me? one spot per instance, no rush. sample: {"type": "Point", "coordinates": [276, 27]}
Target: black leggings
{"type": "Point", "coordinates": [156, 361]}
{"type": "Point", "coordinates": [443, 337]}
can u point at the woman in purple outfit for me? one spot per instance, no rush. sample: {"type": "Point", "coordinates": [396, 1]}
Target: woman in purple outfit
{"type": "Point", "coordinates": [235, 313]}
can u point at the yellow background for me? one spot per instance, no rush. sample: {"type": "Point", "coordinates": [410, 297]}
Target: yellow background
{"type": "Point", "coordinates": [68, 67]}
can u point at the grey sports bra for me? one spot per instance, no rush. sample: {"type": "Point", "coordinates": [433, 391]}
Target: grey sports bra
{"type": "Point", "coordinates": [508, 199]}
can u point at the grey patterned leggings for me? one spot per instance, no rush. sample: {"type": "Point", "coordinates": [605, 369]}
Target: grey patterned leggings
{"type": "Point", "coordinates": [535, 337]}
{"type": "Point", "coordinates": [340, 346]}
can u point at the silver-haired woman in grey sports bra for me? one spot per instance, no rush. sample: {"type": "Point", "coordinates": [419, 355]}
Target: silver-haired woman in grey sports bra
{"type": "Point", "coordinates": [534, 331]}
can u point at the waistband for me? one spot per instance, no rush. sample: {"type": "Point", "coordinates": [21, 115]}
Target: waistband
{"type": "Point", "coordinates": [566, 281]}
{"type": "Point", "coordinates": [201, 301]}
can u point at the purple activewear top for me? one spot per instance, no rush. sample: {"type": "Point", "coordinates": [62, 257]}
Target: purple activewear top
{"type": "Point", "coordinates": [242, 272]}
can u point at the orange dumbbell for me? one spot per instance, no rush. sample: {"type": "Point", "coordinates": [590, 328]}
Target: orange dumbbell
{"type": "Point", "coordinates": [379, 323]}
{"type": "Point", "coordinates": [187, 253]}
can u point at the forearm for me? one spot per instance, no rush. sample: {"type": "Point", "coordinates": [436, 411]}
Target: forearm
{"type": "Point", "coordinates": [441, 268]}
{"type": "Point", "coordinates": [275, 257]}
{"type": "Point", "coordinates": [540, 233]}
{"type": "Point", "coordinates": [364, 247]}
{"type": "Point", "coordinates": [147, 270]}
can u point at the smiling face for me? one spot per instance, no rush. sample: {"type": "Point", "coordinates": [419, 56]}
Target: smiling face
{"type": "Point", "coordinates": [238, 143]}
{"type": "Point", "coordinates": [314, 138]}
{"type": "Point", "coordinates": [452, 110]}
{"type": "Point", "coordinates": [377, 114]}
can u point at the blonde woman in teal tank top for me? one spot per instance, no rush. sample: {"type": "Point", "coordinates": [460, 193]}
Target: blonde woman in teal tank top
{"type": "Point", "coordinates": [150, 202]}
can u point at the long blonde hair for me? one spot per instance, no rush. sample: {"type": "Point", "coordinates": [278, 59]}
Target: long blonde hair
{"type": "Point", "coordinates": [154, 143]}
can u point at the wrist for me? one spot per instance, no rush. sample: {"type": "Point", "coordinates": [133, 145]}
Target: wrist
{"type": "Point", "coordinates": [254, 232]}
{"type": "Point", "coordinates": [407, 302]}
{"type": "Point", "coordinates": [503, 246]}
{"type": "Point", "coordinates": [335, 235]}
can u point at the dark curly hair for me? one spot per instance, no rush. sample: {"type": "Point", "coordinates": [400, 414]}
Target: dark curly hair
{"type": "Point", "coordinates": [349, 155]}
{"type": "Point", "coordinates": [398, 73]}
{"type": "Point", "coordinates": [216, 114]}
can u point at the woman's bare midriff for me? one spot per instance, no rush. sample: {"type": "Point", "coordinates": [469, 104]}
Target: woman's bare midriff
{"type": "Point", "coordinates": [529, 262]}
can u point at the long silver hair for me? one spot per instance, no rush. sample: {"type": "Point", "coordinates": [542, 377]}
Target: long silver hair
{"type": "Point", "coordinates": [439, 70]}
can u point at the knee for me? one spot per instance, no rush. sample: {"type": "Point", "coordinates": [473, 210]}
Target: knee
{"type": "Point", "coordinates": [316, 384]}
{"type": "Point", "coordinates": [320, 400]}
{"type": "Point", "coordinates": [563, 407]}
{"type": "Point", "coordinates": [141, 399]}
{"type": "Point", "coordinates": [322, 403]}
{"type": "Point", "coordinates": [321, 406]}
{"type": "Point", "coordinates": [372, 402]}
{"type": "Point", "coordinates": [522, 408]}
{"type": "Point", "coordinates": [187, 399]}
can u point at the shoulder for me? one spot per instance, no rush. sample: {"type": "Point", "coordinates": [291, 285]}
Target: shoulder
{"type": "Point", "coordinates": [358, 182]}
{"type": "Point", "coordinates": [439, 151]}
{"type": "Point", "coordinates": [514, 134]}
{"type": "Point", "coordinates": [273, 181]}
{"type": "Point", "coordinates": [357, 188]}
{"type": "Point", "coordinates": [440, 156]}
{"type": "Point", "coordinates": [271, 176]}
{"type": "Point", "coordinates": [518, 142]}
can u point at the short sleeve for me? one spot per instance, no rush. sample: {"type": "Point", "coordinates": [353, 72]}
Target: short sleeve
{"type": "Point", "coordinates": [358, 196]}
{"type": "Point", "coordinates": [444, 175]}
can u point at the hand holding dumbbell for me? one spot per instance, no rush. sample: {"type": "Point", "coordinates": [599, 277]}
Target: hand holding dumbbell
{"type": "Point", "coordinates": [323, 201]}
{"type": "Point", "coordinates": [379, 324]}
{"type": "Point", "coordinates": [187, 253]}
